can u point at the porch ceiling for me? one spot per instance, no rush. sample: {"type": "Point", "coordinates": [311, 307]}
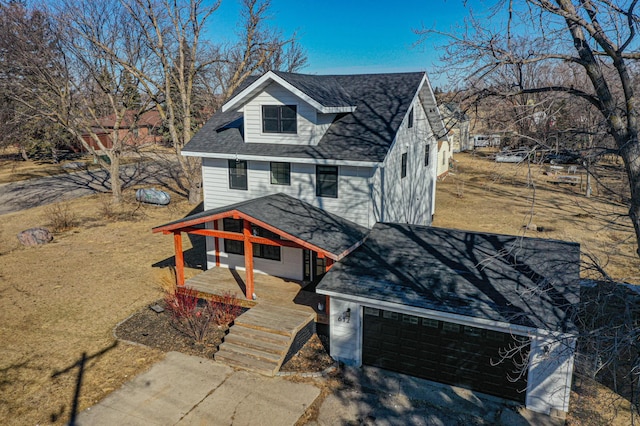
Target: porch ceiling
{"type": "Point", "coordinates": [293, 219]}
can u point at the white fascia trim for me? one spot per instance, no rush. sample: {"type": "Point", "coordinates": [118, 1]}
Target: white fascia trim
{"type": "Point", "coordinates": [500, 326]}
{"type": "Point", "coordinates": [270, 75]}
{"type": "Point", "coordinates": [435, 102]}
{"type": "Point", "coordinates": [328, 162]}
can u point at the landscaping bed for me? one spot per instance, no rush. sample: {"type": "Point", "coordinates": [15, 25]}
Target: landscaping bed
{"type": "Point", "coordinates": [153, 329]}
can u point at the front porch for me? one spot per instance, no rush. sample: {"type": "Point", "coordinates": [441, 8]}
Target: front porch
{"type": "Point", "coordinates": [269, 290]}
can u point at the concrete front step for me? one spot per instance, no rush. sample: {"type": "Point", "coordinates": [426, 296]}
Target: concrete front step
{"type": "Point", "coordinates": [267, 342]}
{"type": "Point", "coordinates": [251, 351]}
{"type": "Point", "coordinates": [247, 362]}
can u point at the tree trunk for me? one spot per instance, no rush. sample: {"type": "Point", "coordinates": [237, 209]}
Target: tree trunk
{"type": "Point", "coordinates": [630, 153]}
{"type": "Point", "coordinates": [23, 153]}
{"type": "Point", "coordinates": [114, 178]}
{"type": "Point", "coordinates": [195, 191]}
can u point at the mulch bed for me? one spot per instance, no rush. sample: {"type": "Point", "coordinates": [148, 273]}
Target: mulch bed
{"type": "Point", "coordinates": [153, 329]}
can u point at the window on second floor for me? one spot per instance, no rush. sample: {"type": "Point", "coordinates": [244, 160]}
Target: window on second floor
{"type": "Point", "coordinates": [327, 181]}
{"type": "Point", "coordinates": [280, 173]}
{"type": "Point", "coordinates": [410, 119]}
{"type": "Point", "coordinates": [237, 174]}
{"type": "Point", "coordinates": [279, 119]}
{"type": "Point", "coordinates": [426, 154]}
{"type": "Point", "coordinates": [403, 166]}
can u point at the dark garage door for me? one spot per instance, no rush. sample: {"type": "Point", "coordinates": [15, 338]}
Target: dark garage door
{"type": "Point", "coordinates": [442, 351]}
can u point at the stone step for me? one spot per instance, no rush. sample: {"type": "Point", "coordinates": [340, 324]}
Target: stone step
{"type": "Point", "coordinates": [247, 362]}
{"type": "Point", "coordinates": [252, 338]}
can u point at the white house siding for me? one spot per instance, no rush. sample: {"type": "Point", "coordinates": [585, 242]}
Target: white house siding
{"type": "Point", "coordinates": [409, 199]}
{"type": "Point", "coordinates": [354, 200]}
{"type": "Point", "coordinates": [345, 334]}
{"type": "Point", "coordinates": [444, 155]}
{"type": "Point", "coordinates": [310, 127]}
{"type": "Point", "coordinates": [550, 373]}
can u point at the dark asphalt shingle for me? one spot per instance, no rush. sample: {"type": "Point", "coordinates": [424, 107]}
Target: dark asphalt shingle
{"type": "Point", "coordinates": [525, 281]}
{"type": "Point", "coordinates": [296, 218]}
{"type": "Point", "coordinates": [381, 100]}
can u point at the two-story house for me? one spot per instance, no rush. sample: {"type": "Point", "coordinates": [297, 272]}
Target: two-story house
{"type": "Point", "coordinates": [362, 147]}
{"type": "Point", "coordinates": [332, 179]}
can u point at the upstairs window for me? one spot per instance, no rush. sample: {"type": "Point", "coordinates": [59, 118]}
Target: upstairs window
{"type": "Point", "coordinates": [237, 174]}
{"type": "Point", "coordinates": [327, 181]}
{"type": "Point", "coordinates": [403, 166]}
{"type": "Point", "coordinates": [426, 155]}
{"type": "Point", "coordinates": [279, 119]}
{"type": "Point", "coordinates": [410, 119]}
{"type": "Point", "coordinates": [280, 173]}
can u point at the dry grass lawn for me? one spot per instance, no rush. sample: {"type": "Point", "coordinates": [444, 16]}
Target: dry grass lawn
{"type": "Point", "coordinates": [63, 299]}
{"type": "Point", "coordinates": [503, 198]}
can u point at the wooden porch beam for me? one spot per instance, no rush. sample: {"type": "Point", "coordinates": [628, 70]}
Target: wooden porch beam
{"type": "Point", "coordinates": [240, 237]}
{"type": "Point", "coordinates": [177, 242]}
{"type": "Point", "coordinates": [248, 260]}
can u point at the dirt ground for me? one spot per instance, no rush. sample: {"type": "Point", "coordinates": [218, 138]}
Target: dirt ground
{"type": "Point", "coordinates": [61, 301]}
{"type": "Point", "coordinates": [482, 195]}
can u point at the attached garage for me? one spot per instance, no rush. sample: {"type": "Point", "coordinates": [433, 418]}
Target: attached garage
{"type": "Point", "coordinates": [445, 352]}
{"type": "Point", "coordinates": [444, 304]}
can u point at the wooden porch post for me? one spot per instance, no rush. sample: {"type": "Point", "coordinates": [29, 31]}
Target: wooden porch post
{"type": "Point", "coordinates": [328, 263]}
{"type": "Point", "coordinates": [248, 260]}
{"type": "Point", "coordinates": [216, 244]}
{"type": "Point", "coordinates": [177, 242]}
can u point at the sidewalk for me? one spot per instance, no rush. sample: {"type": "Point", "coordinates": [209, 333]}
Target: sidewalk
{"type": "Point", "coordinates": [186, 390]}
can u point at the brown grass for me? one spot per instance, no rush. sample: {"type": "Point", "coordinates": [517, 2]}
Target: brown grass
{"type": "Point", "coordinates": [63, 299]}
{"type": "Point", "coordinates": [504, 198]}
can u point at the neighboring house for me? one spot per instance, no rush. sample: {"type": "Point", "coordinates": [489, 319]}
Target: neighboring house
{"type": "Point", "coordinates": [133, 129]}
{"type": "Point", "coordinates": [299, 174]}
{"type": "Point", "coordinates": [445, 157]}
{"type": "Point", "coordinates": [457, 124]}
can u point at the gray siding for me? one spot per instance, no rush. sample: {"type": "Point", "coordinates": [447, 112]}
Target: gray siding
{"type": "Point", "coordinates": [354, 200]}
{"type": "Point", "coordinates": [311, 126]}
{"type": "Point", "coordinates": [409, 199]}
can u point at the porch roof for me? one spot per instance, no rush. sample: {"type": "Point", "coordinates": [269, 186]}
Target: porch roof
{"type": "Point", "coordinates": [289, 217]}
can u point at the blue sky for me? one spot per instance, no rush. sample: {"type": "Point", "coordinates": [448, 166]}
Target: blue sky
{"type": "Point", "coordinates": [348, 36]}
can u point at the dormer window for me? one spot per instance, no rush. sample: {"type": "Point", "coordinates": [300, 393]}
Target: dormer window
{"type": "Point", "coordinates": [279, 119]}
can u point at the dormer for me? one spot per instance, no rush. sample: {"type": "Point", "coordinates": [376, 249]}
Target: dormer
{"type": "Point", "coordinates": [289, 108]}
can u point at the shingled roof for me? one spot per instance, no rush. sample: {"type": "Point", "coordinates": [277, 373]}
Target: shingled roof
{"type": "Point", "coordinates": [529, 282]}
{"type": "Point", "coordinates": [380, 103]}
{"type": "Point", "coordinates": [296, 218]}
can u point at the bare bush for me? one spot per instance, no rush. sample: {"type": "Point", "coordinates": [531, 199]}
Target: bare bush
{"type": "Point", "coordinates": [60, 216]}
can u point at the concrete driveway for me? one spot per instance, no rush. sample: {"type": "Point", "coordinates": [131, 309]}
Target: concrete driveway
{"type": "Point", "coordinates": [188, 390]}
{"type": "Point", "coordinates": [372, 396]}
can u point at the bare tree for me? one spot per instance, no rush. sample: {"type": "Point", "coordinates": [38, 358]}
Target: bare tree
{"type": "Point", "coordinates": [260, 48]}
{"type": "Point", "coordinates": [594, 40]}
{"type": "Point", "coordinates": [26, 46]}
